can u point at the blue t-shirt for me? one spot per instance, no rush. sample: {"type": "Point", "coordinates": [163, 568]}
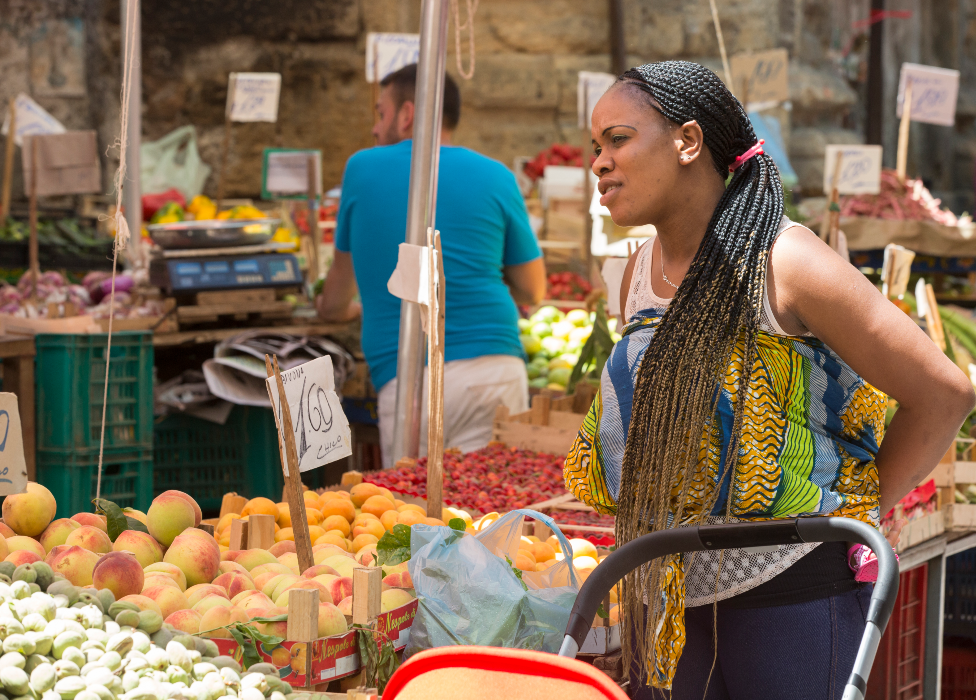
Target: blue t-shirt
{"type": "Point", "coordinates": [484, 226]}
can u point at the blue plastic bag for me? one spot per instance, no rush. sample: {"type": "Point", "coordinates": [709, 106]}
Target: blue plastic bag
{"type": "Point", "coordinates": [468, 593]}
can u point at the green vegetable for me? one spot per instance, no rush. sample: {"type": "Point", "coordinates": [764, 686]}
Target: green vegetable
{"type": "Point", "coordinates": [394, 547]}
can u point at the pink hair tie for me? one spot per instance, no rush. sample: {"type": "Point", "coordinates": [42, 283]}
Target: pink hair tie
{"type": "Point", "coordinates": [739, 160]}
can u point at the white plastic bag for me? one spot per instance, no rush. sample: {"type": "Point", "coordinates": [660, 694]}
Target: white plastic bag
{"type": "Point", "coordinates": [173, 161]}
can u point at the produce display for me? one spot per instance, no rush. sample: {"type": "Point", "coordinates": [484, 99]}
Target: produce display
{"type": "Point", "coordinates": [553, 340]}
{"type": "Point", "coordinates": [568, 286]}
{"type": "Point", "coordinates": [557, 154]}
{"type": "Point", "coordinates": [911, 201]}
{"type": "Point", "coordinates": [201, 208]}
{"type": "Point", "coordinates": [90, 297]}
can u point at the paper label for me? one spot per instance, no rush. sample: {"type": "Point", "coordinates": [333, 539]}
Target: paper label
{"type": "Point", "coordinates": [860, 169]}
{"type": "Point", "coordinates": [13, 468]}
{"type": "Point", "coordinates": [286, 171]}
{"type": "Point", "coordinates": [934, 93]}
{"type": "Point", "coordinates": [409, 280]}
{"type": "Point", "coordinates": [761, 76]}
{"type": "Point", "coordinates": [32, 119]}
{"type": "Point", "coordinates": [896, 270]}
{"type": "Point", "coordinates": [388, 52]}
{"type": "Point", "coordinates": [589, 89]}
{"type": "Point", "coordinates": [320, 427]}
{"type": "Point", "coordinates": [253, 97]}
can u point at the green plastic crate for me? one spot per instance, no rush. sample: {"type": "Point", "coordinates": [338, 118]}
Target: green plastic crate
{"type": "Point", "coordinates": [70, 378]}
{"type": "Point", "coordinates": [207, 460]}
{"type": "Point", "coordinates": [71, 475]}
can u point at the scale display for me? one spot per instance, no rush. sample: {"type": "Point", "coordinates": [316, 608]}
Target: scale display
{"type": "Point", "coordinates": [194, 275]}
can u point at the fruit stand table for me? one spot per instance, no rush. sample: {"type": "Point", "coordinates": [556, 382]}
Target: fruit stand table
{"type": "Point", "coordinates": [17, 353]}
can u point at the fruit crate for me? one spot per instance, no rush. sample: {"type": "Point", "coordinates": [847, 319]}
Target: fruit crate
{"type": "Point", "coordinates": [959, 673]}
{"type": "Point", "coordinates": [72, 475]}
{"type": "Point", "coordinates": [70, 374]}
{"type": "Point", "coordinates": [960, 595]}
{"type": "Point", "coordinates": [207, 460]}
{"type": "Point", "coordinates": [898, 669]}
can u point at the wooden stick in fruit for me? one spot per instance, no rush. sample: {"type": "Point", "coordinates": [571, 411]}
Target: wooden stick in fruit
{"type": "Point", "coordinates": [293, 479]}
{"type": "Point", "coordinates": [435, 376]}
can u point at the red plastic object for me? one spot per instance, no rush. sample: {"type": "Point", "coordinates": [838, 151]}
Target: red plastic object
{"type": "Point", "coordinates": [483, 673]}
{"type": "Point", "coordinates": [958, 673]}
{"type": "Point", "coordinates": [898, 668]}
{"type": "Point", "coordinates": [152, 202]}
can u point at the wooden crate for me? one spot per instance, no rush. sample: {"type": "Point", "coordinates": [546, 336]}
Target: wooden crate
{"type": "Point", "coordinates": [236, 305]}
{"type": "Point", "coordinates": [551, 425]}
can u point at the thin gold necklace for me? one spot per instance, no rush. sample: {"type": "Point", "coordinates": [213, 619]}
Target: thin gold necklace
{"type": "Point", "coordinates": [662, 270]}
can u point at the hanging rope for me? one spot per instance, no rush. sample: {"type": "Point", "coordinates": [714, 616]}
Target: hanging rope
{"type": "Point", "coordinates": [458, 27]}
{"type": "Point", "coordinates": [121, 226]}
{"type": "Point", "coordinates": [721, 47]}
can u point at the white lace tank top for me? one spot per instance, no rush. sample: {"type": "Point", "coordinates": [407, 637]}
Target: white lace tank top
{"type": "Point", "coordinates": [741, 569]}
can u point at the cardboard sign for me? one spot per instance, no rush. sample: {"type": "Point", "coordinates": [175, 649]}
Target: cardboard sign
{"type": "Point", "coordinates": [253, 97]}
{"type": "Point", "coordinates": [934, 93]}
{"type": "Point", "coordinates": [761, 77]}
{"type": "Point", "coordinates": [31, 119]}
{"type": "Point", "coordinates": [13, 468]}
{"type": "Point", "coordinates": [66, 163]}
{"type": "Point", "coordinates": [860, 169]}
{"type": "Point", "coordinates": [285, 173]}
{"type": "Point", "coordinates": [589, 89]}
{"type": "Point", "coordinates": [321, 429]}
{"type": "Point", "coordinates": [387, 52]}
{"type": "Point", "coordinates": [895, 270]}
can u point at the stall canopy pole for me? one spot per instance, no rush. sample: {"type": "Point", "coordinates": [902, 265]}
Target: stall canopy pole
{"type": "Point", "coordinates": [422, 202]}
{"type": "Point", "coordinates": [874, 121]}
{"type": "Point", "coordinates": [131, 190]}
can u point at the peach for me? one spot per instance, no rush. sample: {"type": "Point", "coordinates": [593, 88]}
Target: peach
{"type": "Point", "coordinates": [343, 565]}
{"type": "Point", "coordinates": [318, 570]}
{"type": "Point", "coordinates": [171, 570]}
{"type": "Point", "coordinates": [345, 606]}
{"type": "Point", "coordinates": [194, 533]}
{"type": "Point", "coordinates": [290, 559]}
{"type": "Point", "coordinates": [250, 558]}
{"type": "Point", "coordinates": [142, 602]}
{"type": "Point", "coordinates": [92, 520]}
{"type": "Point", "coordinates": [360, 493]}
{"type": "Point", "coordinates": [19, 542]}
{"type": "Point", "coordinates": [6, 531]}
{"type": "Point", "coordinates": [119, 572]}
{"type": "Point", "coordinates": [234, 582]}
{"type": "Point", "coordinates": [228, 566]}
{"type": "Point", "coordinates": [339, 507]}
{"type": "Point", "coordinates": [158, 579]}
{"type": "Point", "coordinates": [285, 583]}
{"type": "Point", "coordinates": [187, 621]}
{"type": "Point", "coordinates": [240, 597]}
{"type": "Point", "coordinates": [23, 556]}
{"type": "Point", "coordinates": [29, 513]}
{"type": "Point", "coordinates": [146, 550]}
{"type": "Point", "coordinates": [255, 601]}
{"type": "Point", "coordinates": [209, 602]}
{"type": "Point", "coordinates": [261, 580]}
{"type": "Point", "coordinates": [340, 588]}
{"type": "Point", "coordinates": [333, 537]}
{"type": "Point", "coordinates": [336, 522]}
{"type": "Point", "coordinates": [266, 568]}
{"type": "Point", "coordinates": [74, 563]}
{"type": "Point", "coordinates": [402, 580]}
{"type": "Point", "coordinates": [137, 514]}
{"type": "Point", "coordinates": [377, 505]}
{"type": "Point", "coordinates": [4, 551]}
{"type": "Point", "coordinates": [196, 593]}
{"type": "Point", "coordinates": [262, 506]}
{"type": "Point", "coordinates": [197, 513]}
{"type": "Point", "coordinates": [278, 629]}
{"type": "Point", "coordinates": [57, 532]}
{"type": "Point", "coordinates": [268, 587]}
{"type": "Point", "coordinates": [324, 597]}
{"type": "Point", "coordinates": [197, 558]}
{"type": "Point", "coordinates": [363, 540]}
{"type": "Point", "coordinates": [393, 598]}
{"type": "Point", "coordinates": [282, 547]}
{"type": "Point", "coordinates": [219, 617]}
{"type": "Point", "coordinates": [90, 538]}
{"type": "Point", "coordinates": [329, 549]}
{"type": "Point", "coordinates": [369, 527]}
{"type": "Point", "coordinates": [367, 555]}
{"type": "Point", "coordinates": [326, 580]}
{"type": "Point", "coordinates": [168, 517]}
{"type": "Point", "coordinates": [168, 598]}
{"type": "Point", "coordinates": [331, 621]}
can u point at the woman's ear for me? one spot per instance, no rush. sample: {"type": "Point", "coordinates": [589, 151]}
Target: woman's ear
{"type": "Point", "coordinates": [689, 140]}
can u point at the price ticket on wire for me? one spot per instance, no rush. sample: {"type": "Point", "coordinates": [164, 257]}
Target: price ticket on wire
{"type": "Point", "coordinates": [320, 427]}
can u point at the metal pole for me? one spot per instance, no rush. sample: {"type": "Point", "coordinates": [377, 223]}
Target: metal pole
{"type": "Point", "coordinates": [422, 203]}
{"type": "Point", "coordinates": [875, 97]}
{"type": "Point", "coordinates": [131, 189]}
{"type": "Point", "coordinates": [618, 41]}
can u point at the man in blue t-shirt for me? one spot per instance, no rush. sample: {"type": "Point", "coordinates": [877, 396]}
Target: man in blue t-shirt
{"type": "Point", "coordinates": [490, 256]}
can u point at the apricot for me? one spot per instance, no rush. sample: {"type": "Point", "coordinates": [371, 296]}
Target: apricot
{"type": "Point", "coordinates": [377, 505]}
{"type": "Point", "coordinates": [389, 519]}
{"type": "Point", "coordinates": [333, 537]}
{"type": "Point", "coordinates": [524, 561]}
{"type": "Point", "coordinates": [542, 552]}
{"type": "Point", "coordinates": [314, 532]}
{"type": "Point", "coordinates": [336, 522]}
{"type": "Point", "coordinates": [286, 533]}
{"type": "Point", "coordinates": [360, 493]}
{"type": "Point", "coordinates": [362, 540]}
{"type": "Point", "coordinates": [340, 507]}
{"type": "Point", "coordinates": [369, 527]}
{"type": "Point", "coordinates": [410, 517]}
{"type": "Point", "coordinates": [260, 505]}
{"type": "Point", "coordinates": [413, 507]}
{"type": "Point", "coordinates": [313, 516]}
{"type": "Point", "coordinates": [434, 521]}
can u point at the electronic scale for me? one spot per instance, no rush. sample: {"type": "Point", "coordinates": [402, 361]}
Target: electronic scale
{"type": "Point", "coordinates": [185, 272]}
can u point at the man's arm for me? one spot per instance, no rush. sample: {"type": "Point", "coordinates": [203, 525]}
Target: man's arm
{"type": "Point", "coordinates": [335, 303]}
{"type": "Point", "coordinates": [526, 282]}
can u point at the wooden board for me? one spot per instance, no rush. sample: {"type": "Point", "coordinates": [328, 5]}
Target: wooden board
{"type": "Point", "coordinates": [959, 517]}
{"type": "Point", "coordinates": [339, 331]}
{"type": "Point", "coordinates": [237, 310]}
{"type": "Point", "coordinates": [922, 529]}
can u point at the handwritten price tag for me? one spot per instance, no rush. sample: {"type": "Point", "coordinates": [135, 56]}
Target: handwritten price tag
{"type": "Point", "coordinates": [589, 89]}
{"type": "Point", "coordinates": [387, 52]}
{"type": "Point", "coordinates": [253, 97]}
{"type": "Point", "coordinates": [13, 468]}
{"type": "Point", "coordinates": [934, 93]}
{"type": "Point", "coordinates": [860, 169]}
{"type": "Point", "coordinates": [321, 429]}
{"type": "Point", "coordinates": [761, 77]}
{"type": "Point", "coordinates": [286, 171]}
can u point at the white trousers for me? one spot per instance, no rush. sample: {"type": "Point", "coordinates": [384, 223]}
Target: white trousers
{"type": "Point", "coordinates": [473, 389]}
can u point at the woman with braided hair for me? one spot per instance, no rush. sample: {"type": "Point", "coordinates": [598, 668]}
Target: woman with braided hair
{"type": "Point", "coordinates": [750, 384]}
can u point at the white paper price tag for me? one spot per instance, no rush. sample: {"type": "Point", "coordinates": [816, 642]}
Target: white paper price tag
{"type": "Point", "coordinates": [32, 120]}
{"type": "Point", "coordinates": [589, 89]}
{"type": "Point", "coordinates": [253, 97]}
{"type": "Point", "coordinates": [387, 52]}
{"type": "Point", "coordinates": [320, 427]}
{"type": "Point", "coordinates": [13, 468]}
{"type": "Point", "coordinates": [934, 93]}
{"type": "Point", "coordinates": [860, 169]}
{"type": "Point", "coordinates": [288, 172]}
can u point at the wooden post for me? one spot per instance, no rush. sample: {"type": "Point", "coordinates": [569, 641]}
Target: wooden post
{"type": "Point", "coordinates": [209, 529]}
{"type": "Point", "coordinates": [351, 478]}
{"type": "Point", "coordinates": [224, 149]}
{"type": "Point", "coordinates": [435, 377]}
{"type": "Point", "coordinates": [260, 531]}
{"type": "Point", "coordinates": [35, 266]}
{"type": "Point", "coordinates": [293, 480]}
{"type": "Point", "coordinates": [303, 615]}
{"type": "Point", "coordinates": [903, 130]}
{"type": "Point", "coordinates": [8, 163]}
{"type": "Point", "coordinates": [933, 321]}
{"type": "Point", "coordinates": [540, 409]}
{"type": "Point", "coordinates": [238, 534]}
{"type": "Point", "coordinates": [367, 589]}
{"type": "Point", "coordinates": [232, 503]}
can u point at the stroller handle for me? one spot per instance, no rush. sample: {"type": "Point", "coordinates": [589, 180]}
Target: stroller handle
{"type": "Point", "coordinates": [749, 534]}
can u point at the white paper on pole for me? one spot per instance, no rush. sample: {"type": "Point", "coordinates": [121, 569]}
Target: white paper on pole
{"type": "Point", "coordinates": [934, 93]}
{"type": "Point", "coordinates": [921, 299]}
{"type": "Point", "coordinates": [13, 467]}
{"type": "Point", "coordinates": [32, 120]}
{"type": "Point", "coordinates": [320, 427]}
{"type": "Point", "coordinates": [288, 172]}
{"type": "Point", "coordinates": [589, 89]}
{"type": "Point", "coordinates": [860, 169]}
{"type": "Point", "coordinates": [387, 52]}
{"type": "Point", "coordinates": [253, 97]}
{"type": "Point", "coordinates": [410, 280]}
{"type": "Point", "coordinates": [613, 276]}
